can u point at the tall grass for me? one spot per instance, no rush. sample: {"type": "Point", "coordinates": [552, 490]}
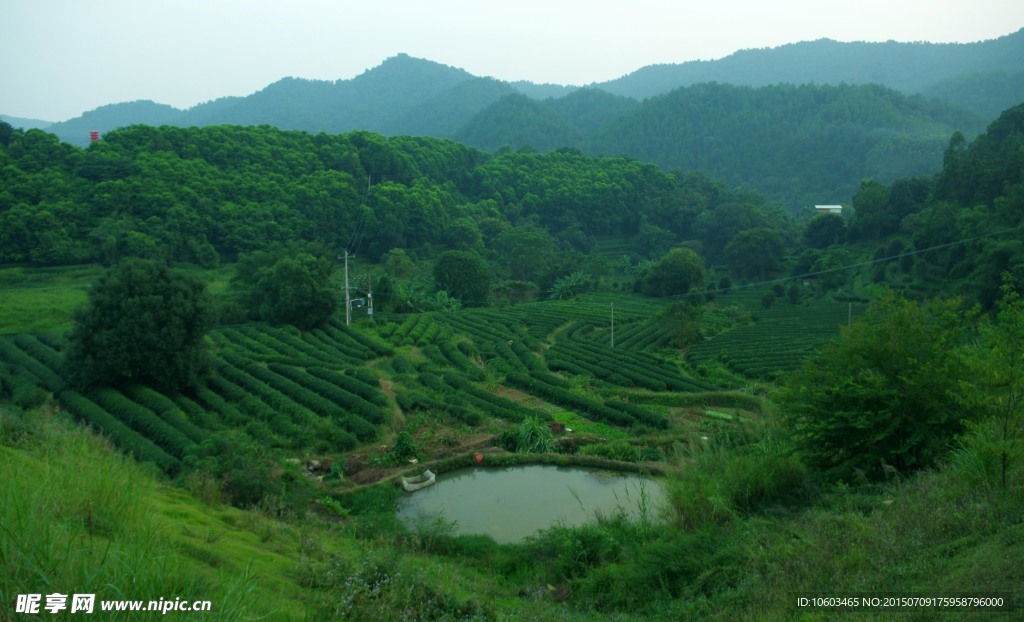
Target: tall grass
{"type": "Point", "coordinates": [741, 470]}
{"type": "Point", "coordinates": [75, 518]}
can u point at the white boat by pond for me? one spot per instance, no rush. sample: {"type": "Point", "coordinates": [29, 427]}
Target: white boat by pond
{"type": "Point", "coordinates": [423, 480]}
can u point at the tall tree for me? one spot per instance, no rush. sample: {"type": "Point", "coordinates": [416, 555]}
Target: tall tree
{"type": "Point", "coordinates": [143, 323]}
{"type": "Point", "coordinates": [872, 216]}
{"type": "Point", "coordinates": [755, 252]}
{"type": "Point", "coordinates": [464, 275]}
{"type": "Point", "coordinates": [674, 274]}
{"type": "Point", "coordinates": [289, 284]}
{"type": "Point", "coordinates": [996, 387]}
{"type": "Point", "coordinates": [824, 230]}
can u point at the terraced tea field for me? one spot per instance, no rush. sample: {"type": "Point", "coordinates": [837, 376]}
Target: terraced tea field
{"type": "Point", "coordinates": [778, 338]}
{"type": "Point", "coordinates": [338, 388]}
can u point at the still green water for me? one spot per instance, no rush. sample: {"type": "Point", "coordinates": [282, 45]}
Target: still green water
{"type": "Point", "coordinates": [512, 503]}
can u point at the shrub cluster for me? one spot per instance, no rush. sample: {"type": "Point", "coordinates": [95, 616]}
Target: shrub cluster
{"type": "Point", "coordinates": [342, 334]}
{"type": "Point", "coordinates": [496, 406]}
{"type": "Point", "coordinates": [619, 366]}
{"type": "Point", "coordinates": [411, 401]}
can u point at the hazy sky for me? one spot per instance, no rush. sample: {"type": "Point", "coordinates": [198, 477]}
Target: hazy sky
{"type": "Point", "coordinates": [61, 58]}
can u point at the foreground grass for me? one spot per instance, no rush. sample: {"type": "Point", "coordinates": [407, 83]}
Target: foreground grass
{"type": "Point", "coordinates": [78, 517]}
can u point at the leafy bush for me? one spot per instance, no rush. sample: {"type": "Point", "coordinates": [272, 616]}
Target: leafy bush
{"type": "Point", "coordinates": [401, 365]}
{"type": "Point", "coordinates": [401, 452]}
{"type": "Point", "coordinates": [885, 393]}
{"type": "Point", "coordinates": [245, 472]}
{"type": "Point", "coordinates": [144, 323]}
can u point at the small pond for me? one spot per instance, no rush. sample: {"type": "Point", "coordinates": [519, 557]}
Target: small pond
{"type": "Point", "coordinates": [512, 503]}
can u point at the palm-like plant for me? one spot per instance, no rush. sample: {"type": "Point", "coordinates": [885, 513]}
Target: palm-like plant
{"type": "Point", "coordinates": [570, 285]}
{"type": "Point", "coordinates": [534, 437]}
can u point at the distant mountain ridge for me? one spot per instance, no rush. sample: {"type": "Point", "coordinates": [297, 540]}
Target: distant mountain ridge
{"type": "Point", "coordinates": [403, 95]}
{"type": "Point", "coordinates": [406, 95]}
{"type": "Point", "coordinates": [25, 124]}
{"type": "Point", "coordinates": [912, 68]}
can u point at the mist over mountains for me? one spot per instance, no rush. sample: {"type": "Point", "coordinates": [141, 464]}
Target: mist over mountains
{"type": "Point", "coordinates": [805, 104]}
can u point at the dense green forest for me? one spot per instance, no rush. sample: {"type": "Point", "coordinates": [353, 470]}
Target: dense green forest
{"type": "Point", "coordinates": [831, 403]}
{"type": "Point", "coordinates": [801, 145]}
{"type": "Point", "coordinates": [250, 187]}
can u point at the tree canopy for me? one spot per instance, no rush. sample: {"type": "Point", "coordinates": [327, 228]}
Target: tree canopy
{"type": "Point", "coordinates": [464, 275]}
{"type": "Point", "coordinates": [755, 252]}
{"type": "Point", "coordinates": [674, 274]}
{"type": "Point", "coordinates": [248, 188]}
{"type": "Point", "coordinates": [885, 393]}
{"type": "Point", "coordinates": [289, 284]}
{"type": "Point", "coordinates": [143, 323]}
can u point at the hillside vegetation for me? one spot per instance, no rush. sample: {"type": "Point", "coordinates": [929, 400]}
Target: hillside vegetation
{"type": "Point", "coordinates": [832, 405]}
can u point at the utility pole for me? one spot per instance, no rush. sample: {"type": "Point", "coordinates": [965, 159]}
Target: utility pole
{"type": "Point", "coordinates": [348, 301]}
{"type": "Point", "coordinates": [369, 295]}
{"type": "Point", "coordinates": [613, 325]}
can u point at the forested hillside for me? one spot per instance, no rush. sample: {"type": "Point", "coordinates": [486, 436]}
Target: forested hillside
{"type": "Point", "coordinates": [406, 95]}
{"type": "Point", "coordinates": [207, 195]}
{"type": "Point", "coordinates": [797, 145]}
{"type": "Point", "coordinates": [403, 95]}
{"type": "Point", "coordinates": [250, 187]}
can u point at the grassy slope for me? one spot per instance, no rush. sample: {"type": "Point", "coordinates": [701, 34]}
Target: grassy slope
{"type": "Point", "coordinates": [38, 300]}
{"type": "Point", "coordinates": [35, 300]}
{"type": "Point", "coordinates": [80, 518]}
